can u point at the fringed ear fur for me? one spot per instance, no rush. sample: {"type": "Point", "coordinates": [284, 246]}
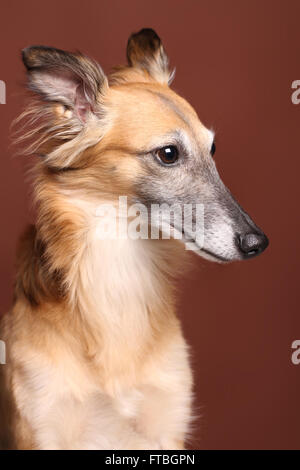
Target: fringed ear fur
{"type": "Point", "coordinates": [68, 88]}
{"type": "Point", "coordinates": [72, 80]}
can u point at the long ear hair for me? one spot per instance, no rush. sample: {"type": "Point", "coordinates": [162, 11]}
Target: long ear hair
{"type": "Point", "coordinates": [67, 91]}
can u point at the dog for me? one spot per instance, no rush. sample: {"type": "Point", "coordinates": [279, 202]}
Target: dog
{"type": "Point", "coordinates": [96, 358]}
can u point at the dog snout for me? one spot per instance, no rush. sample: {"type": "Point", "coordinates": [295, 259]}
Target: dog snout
{"type": "Point", "coordinates": [252, 244]}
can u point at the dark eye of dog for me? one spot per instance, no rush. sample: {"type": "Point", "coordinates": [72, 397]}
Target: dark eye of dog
{"type": "Point", "coordinates": [168, 155]}
{"type": "Point", "coordinates": [213, 149]}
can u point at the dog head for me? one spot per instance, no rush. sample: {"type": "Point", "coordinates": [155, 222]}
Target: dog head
{"type": "Point", "coordinates": [130, 134]}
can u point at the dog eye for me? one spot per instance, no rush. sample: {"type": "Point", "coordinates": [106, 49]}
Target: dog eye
{"type": "Point", "coordinates": [213, 149]}
{"type": "Point", "coordinates": [168, 155]}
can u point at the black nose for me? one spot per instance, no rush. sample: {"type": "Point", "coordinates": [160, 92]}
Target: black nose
{"type": "Point", "coordinates": [252, 244]}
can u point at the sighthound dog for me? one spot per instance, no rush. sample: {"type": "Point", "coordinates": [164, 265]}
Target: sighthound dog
{"type": "Point", "coordinates": [95, 354]}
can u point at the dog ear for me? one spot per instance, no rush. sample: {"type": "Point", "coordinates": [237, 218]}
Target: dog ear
{"type": "Point", "coordinates": [72, 80]}
{"type": "Point", "coordinates": [145, 51]}
{"type": "Point", "coordinates": [69, 89]}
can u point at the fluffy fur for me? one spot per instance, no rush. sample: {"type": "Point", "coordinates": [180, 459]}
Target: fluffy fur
{"type": "Point", "coordinates": [95, 354]}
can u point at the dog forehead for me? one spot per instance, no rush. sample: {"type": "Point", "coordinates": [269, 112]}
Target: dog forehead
{"type": "Point", "coordinates": [142, 111]}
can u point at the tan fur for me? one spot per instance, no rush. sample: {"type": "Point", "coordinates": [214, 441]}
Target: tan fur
{"type": "Point", "coordinates": [96, 358]}
{"type": "Point", "coordinates": [95, 354]}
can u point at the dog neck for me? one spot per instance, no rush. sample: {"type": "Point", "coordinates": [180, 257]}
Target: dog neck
{"type": "Point", "coordinates": [119, 290]}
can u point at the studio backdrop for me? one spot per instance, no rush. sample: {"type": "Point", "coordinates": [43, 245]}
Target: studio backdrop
{"type": "Point", "coordinates": [238, 63]}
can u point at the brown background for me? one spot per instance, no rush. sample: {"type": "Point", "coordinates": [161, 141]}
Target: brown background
{"type": "Point", "coordinates": [235, 62]}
